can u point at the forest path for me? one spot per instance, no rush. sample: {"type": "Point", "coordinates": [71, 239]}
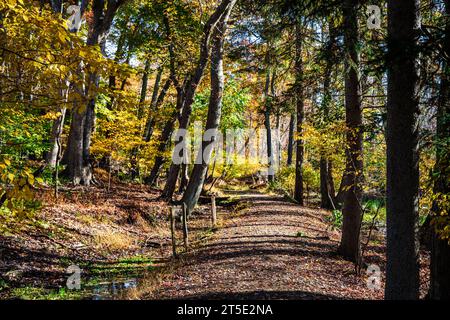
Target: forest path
{"type": "Point", "coordinates": [272, 249]}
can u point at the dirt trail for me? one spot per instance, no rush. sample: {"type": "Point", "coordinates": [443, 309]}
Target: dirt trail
{"type": "Point", "coordinates": [272, 250]}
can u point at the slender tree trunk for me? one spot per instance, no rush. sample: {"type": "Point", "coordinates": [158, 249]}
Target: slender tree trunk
{"type": "Point", "coordinates": [331, 189]}
{"type": "Point", "coordinates": [277, 164]}
{"type": "Point", "coordinates": [144, 88]}
{"type": "Point", "coordinates": [164, 142]}
{"type": "Point", "coordinates": [267, 113]}
{"type": "Point", "coordinates": [291, 140]}
{"type": "Point", "coordinates": [58, 125]}
{"type": "Point", "coordinates": [105, 162]}
{"type": "Point", "coordinates": [440, 248]}
{"type": "Point", "coordinates": [148, 130]}
{"type": "Point", "coordinates": [57, 130]}
{"type": "Point", "coordinates": [149, 127]}
{"type": "Point", "coordinates": [279, 128]}
{"type": "Point", "coordinates": [327, 192]}
{"type": "Point", "coordinates": [327, 195]}
{"type": "Point", "coordinates": [298, 191]}
{"type": "Point", "coordinates": [117, 57]}
{"type": "Point", "coordinates": [352, 211]}
{"type": "Point", "coordinates": [191, 87]}
{"type": "Point", "coordinates": [54, 155]}
{"type": "Point", "coordinates": [184, 177]}
{"type": "Point", "coordinates": [174, 170]}
{"type": "Point", "coordinates": [402, 269]}
{"type": "Point", "coordinates": [324, 199]}
{"type": "Point", "coordinates": [209, 140]}
{"type": "Point", "coordinates": [140, 112]}
{"type": "Point", "coordinates": [156, 86]}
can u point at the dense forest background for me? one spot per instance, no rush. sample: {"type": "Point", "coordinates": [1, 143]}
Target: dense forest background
{"type": "Point", "coordinates": [342, 105]}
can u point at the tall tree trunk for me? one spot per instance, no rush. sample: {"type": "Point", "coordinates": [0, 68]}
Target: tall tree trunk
{"type": "Point", "coordinates": [291, 140]}
{"type": "Point", "coordinates": [352, 211]}
{"type": "Point", "coordinates": [191, 85]}
{"type": "Point", "coordinates": [209, 140]}
{"type": "Point", "coordinates": [77, 155]}
{"type": "Point", "coordinates": [144, 88]}
{"type": "Point", "coordinates": [106, 160]}
{"type": "Point", "coordinates": [299, 95]}
{"type": "Point", "coordinates": [276, 164]}
{"type": "Point", "coordinates": [112, 83]}
{"type": "Point", "coordinates": [58, 124]}
{"type": "Point", "coordinates": [267, 113]}
{"type": "Point", "coordinates": [440, 248]}
{"type": "Point", "coordinates": [324, 195]}
{"type": "Point", "coordinates": [402, 268]}
{"type": "Point", "coordinates": [327, 195]}
{"type": "Point", "coordinates": [88, 130]}
{"type": "Point", "coordinates": [148, 129]}
{"type": "Point", "coordinates": [134, 171]}
{"type": "Point", "coordinates": [156, 86]}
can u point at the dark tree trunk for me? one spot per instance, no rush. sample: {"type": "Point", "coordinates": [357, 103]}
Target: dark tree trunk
{"type": "Point", "coordinates": [88, 130]}
{"type": "Point", "coordinates": [164, 140]}
{"type": "Point", "coordinates": [174, 170]}
{"type": "Point", "coordinates": [331, 189]}
{"type": "Point", "coordinates": [402, 268]}
{"type": "Point", "coordinates": [209, 140]}
{"type": "Point", "coordinates": [156, 86]}
{"type": "Point", "coordinates": [330, 60]}
{"type": "Point", "coordinates": [57, 5]}
{"type": "Point", "coordinates": [324, 195]}
{"type": "Point", "coordinates": [350, 242]}
{"type": "Point", "coordinates": [343, 186]}
{"type": "Point", "coordinates": [440, 263]}
{"type": "Point", "coordinates": [191, 87]}
{"type": "Point", "coordinates": [144, 88]}
{"type": "Point", "coordinates": [172, 178]}
{"type": "Point", "coordinates": [327, 197]}
{"type": "Point", "coordinates": [298, 191]}
{"type": "Point", "coordinates": [291, 140]}
{"type": "Point", "coordinates": [440, 248]}
{"type": "Point", "coordinates": [184, 177]}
